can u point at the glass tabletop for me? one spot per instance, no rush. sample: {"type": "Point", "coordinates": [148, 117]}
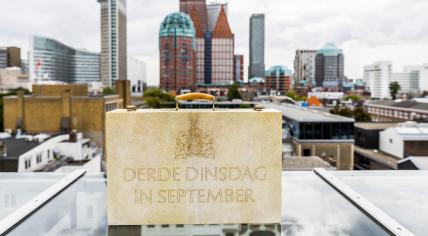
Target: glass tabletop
{"type": "Point", "coordinates": [310, 207]}
{"type": "Point", "coordinates": [400, 194]}
{"type": "Point", "coordinates": [18, 189]}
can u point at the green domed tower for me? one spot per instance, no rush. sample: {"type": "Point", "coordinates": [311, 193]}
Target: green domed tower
{"type": "Point", "coordinates": [177, 46]}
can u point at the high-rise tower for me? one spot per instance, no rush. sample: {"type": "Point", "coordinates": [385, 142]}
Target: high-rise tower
{"type": "Point", "coordinates": [113, 41]}
{"type": "Point", "coordinates": [187, 6]}
{"type": "Point", "coordinates": [177, 46]}
{"type": "Point", "coordinates": [329, 67]}
{"type": "Point", "coordinates": [257, 46]}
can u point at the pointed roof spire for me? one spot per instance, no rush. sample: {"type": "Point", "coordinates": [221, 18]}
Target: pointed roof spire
{"type": "Point", "coordinates": [222, 27]}
{"type": "Point", "coordinates": [197, 23]}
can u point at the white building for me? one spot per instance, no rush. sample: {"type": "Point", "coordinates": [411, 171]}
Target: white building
{"type": "Point", "coordinates": [404, 79]}
{"type": "Point", "coordinates": [419, 76]}
{"type": "Point", "coordinates": [377, 77]}
{"type": "Point", "coordinates": [12, 78]}
{"type": "Point", "coordinates": [409, 139]}
{"type": "Point", "coordinates": [304, 66]}
{"type": "Point", "coordinates": [137, 74]}
{"type": "Point", "coordinates": [48, 153]}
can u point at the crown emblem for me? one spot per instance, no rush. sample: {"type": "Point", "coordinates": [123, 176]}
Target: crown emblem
{"type": "Point", "coordinates": [194, 142]}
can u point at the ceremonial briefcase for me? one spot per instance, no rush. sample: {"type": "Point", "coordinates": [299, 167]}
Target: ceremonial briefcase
{"type": "Point", "coordinates": [194, 166]}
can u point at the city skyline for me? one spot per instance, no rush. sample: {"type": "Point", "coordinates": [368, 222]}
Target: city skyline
{"type": "Point", "coordinates": [396, 37]}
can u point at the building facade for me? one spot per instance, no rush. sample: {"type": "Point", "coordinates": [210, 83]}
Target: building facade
{"type": "Point", "coordinates": [137, 75]}
{"type": "Point", "coordinates": [53, 60]}
{"type": "Point", "coordinates": [60, 108]}
{"type": "Point", "coordinates": [3, 57]}
{"type": "Point", "coordinates": [13, 57]}
{"type": "Point", "coordinates": [304, 67]}
{"type": "Point", "coordinates": [404, 80]}
{"type": "Point", "coordinates": [238, 68]}
{"type": "Point", "coordinates": [387, 111]}
{"type": "Point", "coordinates": [214, 10]}
{"type": "Point", "coordinates": [177, 47]}
{"type": "Point", "coordinates": [113, 41]}
{"type": "Point", "coordinates": [278, 79]}
{"type": "Point", "coordinates": [257, 46]}
{"type": "Point", "coordinates": [377, 77]}
{"type": "Point", "coordinates": [418, 76]}
{"type": "Point", "coordinates": [316, 133]}
{"type": "Point", "coordinates": [329, 67]}
{"type": "Point", "coordinates": [13, 78]}
{"type": "Point", "coordinates": [200, 7]}
{"type": "Point", "coordinates": [222, 52]}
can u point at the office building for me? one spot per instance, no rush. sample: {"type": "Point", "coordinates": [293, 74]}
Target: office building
{"type": "Point", "coordinates": [200, 47]}
{"type": "Point", "coordinates": [222, 52]}
{"type": "Point", "coordinates": [113, 41]}
{"type": "Point", "coordinates": [51, 60]}
{"type": "Point", "coordinates": [62, 108]}
{"type": "Point", "coordinates": [316, 133]}
{"type": "Point", "coordinates": [304, 67]}
{"type": "Point", "coordinates": [238, 68]}
{"type": "Point", "coordinates": [404, 80]}
{"type": "Point", "coordinates": [377, 77]}
{"type": "Point", "coordinates": [13, 57]}
{"type": "Point", "coordinates": [200, 7]}
{"type": "Point", "coordinates": [137, 75]}
{"type": "Point", "coordinates": [257, 46]}
{"type": "Point", "coordinates": [214, 10]}
{"type": "Point", "coordinates": [3, 57]}
{"type": "Point", "coordinates": [418, 76]}
{"type": "Point", "coordinates": [329, 67]}
{"type": "Point", "coordinates": [278, 79]}
{"type": "Point", "coordinates": [177, 45]}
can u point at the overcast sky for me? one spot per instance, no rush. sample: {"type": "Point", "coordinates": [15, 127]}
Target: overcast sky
{"type": "Point", "coordinates": [367, 30]}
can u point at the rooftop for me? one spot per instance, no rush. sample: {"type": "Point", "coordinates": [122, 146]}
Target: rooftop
{"type": "Point", "coordinates": [304, 163]}
{"type": "Point", "coordinates": [378, 156]}
{"type": "Point", "coordinates": [15, 147]}
{"type": "Point", "coordinates": [330, 49]}
{"type": "Point", "coordinates": [301, 114]}
{"type": "Point", "coordinates": [177, 24]}
{"type": "Point", "coordinates": [375, 125]}
{"type": "Point", "coordinates": [412, 104]}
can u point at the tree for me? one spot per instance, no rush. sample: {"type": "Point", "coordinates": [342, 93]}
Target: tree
{"type": "Point", "coordinates": [233, 92]}
{"type": "Point", "coordinates": [108, 91]}
{"type": "Point", "coordinates": [361, 115]}
{"type": "Point", "coordinates": [293, 95]}
{"type": "Point", "coordinates": [394, 87]}
{"type": "Point", "coordinates": [155, 98]}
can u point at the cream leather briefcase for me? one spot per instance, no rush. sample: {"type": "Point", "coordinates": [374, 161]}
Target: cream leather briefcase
{"type": "Point", "coordinates": [194, 166]}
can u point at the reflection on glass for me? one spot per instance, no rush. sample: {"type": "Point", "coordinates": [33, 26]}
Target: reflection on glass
{"type": "Point", "coordinates": [400, 194]}
{"type": "Point", "coordinates": [79, 210]}
{"type": "Point", "coordinates": [16, 190]}
{"type": "Point", "coordinates": [311, 207]}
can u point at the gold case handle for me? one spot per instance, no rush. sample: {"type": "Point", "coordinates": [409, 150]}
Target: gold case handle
{"type": "Point", "coordinates": [194, 96]}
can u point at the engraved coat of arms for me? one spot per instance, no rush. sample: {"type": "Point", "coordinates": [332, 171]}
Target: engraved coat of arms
{"type": "Point", "coordinates": [194, 142]}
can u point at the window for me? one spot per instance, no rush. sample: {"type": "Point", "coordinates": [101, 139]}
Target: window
{"type": "Point", "coordinates": [39, 158]}
{"type": "Point", "coordinates": [307, 152]}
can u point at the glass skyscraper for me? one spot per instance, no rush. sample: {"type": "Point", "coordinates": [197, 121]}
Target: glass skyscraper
{"type": "Point", "coordinates": [53, 60]}
{"type": "Point", "coordinates": [329, 67]}
{"type": "Point", "coordinates": [113, 41]}
{"type": "Point", "coordinates": [257, 46]}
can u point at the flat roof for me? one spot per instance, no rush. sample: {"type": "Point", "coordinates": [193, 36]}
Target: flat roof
{"type": "Point", "coordinates": [307, 115]}
{"type": "Point", "coordinates": [17, 147]}
{"type": "Point", "coordinates": [408, 104]}
{"type": "Point", "coordinates": [304, 163]}
{"type": "Point", "coordinates": [378, 156]}
{"type": "Point", "coordinates": [375, 125]}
